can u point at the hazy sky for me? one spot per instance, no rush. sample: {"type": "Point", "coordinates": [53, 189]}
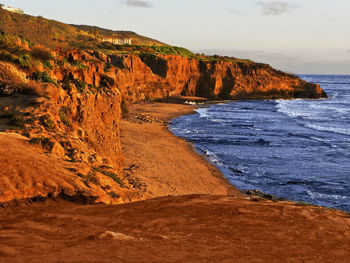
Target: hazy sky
{"type": "Point", "coordinates": [300, 36]}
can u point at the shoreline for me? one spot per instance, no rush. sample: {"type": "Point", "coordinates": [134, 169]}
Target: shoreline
{"type": "Point", "coordinates": [184, 172]}
{"type": "Point", "coordinates": [182, 219]}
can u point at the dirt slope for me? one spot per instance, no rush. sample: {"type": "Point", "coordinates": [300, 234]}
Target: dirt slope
{"type": "Point", "coordinates": [28, 172]}
{"type": "Point", "coordinates": [175, 229]}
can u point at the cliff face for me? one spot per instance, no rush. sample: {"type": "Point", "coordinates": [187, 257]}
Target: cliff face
{"type": "Point", "coordinates": [140, 77]}
{"type": "Point", "coordinates": [90, 87]}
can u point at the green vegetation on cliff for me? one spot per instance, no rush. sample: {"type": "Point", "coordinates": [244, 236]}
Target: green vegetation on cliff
{"type": "Point", "coordinates": [53, 34]}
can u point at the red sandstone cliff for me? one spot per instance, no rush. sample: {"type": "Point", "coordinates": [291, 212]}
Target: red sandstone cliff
{"type": "Point", "coordinates": [141, 77]}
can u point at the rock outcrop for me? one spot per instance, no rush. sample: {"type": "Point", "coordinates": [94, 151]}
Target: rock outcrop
{"type": "Point", "coordinates": [152, 77]}
{"type": "Point", "coordinates": [140, 77]}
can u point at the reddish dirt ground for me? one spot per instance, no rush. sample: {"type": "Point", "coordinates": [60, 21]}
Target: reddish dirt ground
{"type": "Point", "coordinates": [196, 228]}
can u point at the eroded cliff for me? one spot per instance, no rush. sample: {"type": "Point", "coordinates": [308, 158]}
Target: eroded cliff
{"type": "Point", "coordinates": [147, 76]}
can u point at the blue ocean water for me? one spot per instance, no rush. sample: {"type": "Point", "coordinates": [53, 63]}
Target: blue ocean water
{"type": "Point", "coordinates": [297, 149]}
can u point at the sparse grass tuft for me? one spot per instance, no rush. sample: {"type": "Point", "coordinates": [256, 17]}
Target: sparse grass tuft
{"type": "Point", "coordinates": [46, 121]}
{"type": "Point", "coordinates": [113, 195]}
{"type": "Point", "coordinates": [111, 175]}
{"type": "Point", "coordinates": [78, 64]}
{"type": "Point", "coordinates": [42, 53]}
{"type": "Point", "coordinates": [91, 177]}
{"type": "Point", "coordinates": [80, 85]}
{"type": "Point", "coordinates": [64, 114]}
{"type": "Point", "coordinates": [43, 77]}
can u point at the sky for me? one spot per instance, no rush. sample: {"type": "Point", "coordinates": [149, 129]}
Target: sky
{"type": "Point", "coordinates": [298, 36]}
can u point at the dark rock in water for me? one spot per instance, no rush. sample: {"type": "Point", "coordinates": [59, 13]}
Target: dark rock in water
{"type": "Point", "coordinates": [262, 142]}
{"type": "Point", "coordinates": [236, 171]}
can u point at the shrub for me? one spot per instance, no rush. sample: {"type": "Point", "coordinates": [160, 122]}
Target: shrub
{"type": "Point", "coordinates": [25, 61]}
{"type": "Point", "coordinates": [78, 64]}
{"type": "Point", "coordinates": [91, 177]}
{"type": "Point", "coordinates": [93, 89]}
{"type": "Point", "coordinates": [7, 56]}
{"type": "Point", "coordinates": [80, 85]}
{"type": "Point", "coordinates": [43, 77]}
{"type": "Point", "coordinates": [47, 64]}
{"type": "Point", "coordinates": [66, 85]}
{"type": "Point", "coordinates": [42, 53]}
{"type": "Point", "coordinates": [46, 121]}
{"type": "Point", "coordinates": [111, 175]}
{"type": "Point", "coordinates": [62, 62]}
{"type": "Point", "coordinates": [64, 113]}
{"type": "Point", "coordinates": [113, 195]}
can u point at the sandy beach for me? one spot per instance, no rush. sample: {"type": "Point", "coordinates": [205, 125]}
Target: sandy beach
{"type": "Point", "coordinates": [161, 163]}
{"type": "Point", "coordinates": [197, 215]}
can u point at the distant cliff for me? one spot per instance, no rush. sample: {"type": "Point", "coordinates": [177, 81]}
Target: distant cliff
{"type": "Point", "coordinates": [148, 76]}
{"type": "Point", "coordinates": [140, 77]}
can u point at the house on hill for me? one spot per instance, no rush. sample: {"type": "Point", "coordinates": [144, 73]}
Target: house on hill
{"type": "Point", "coordinates": [116, 40]}
{"type": "Point", "coordinates": [12, 9]}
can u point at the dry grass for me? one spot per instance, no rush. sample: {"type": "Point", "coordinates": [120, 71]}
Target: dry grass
{"type": "Point", "coordinates": [14, 80]}
{"type": "Point", "coordinates": [42, 53]}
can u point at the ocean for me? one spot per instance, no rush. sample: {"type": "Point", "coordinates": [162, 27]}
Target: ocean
{"type": "Point", "coordinates": [296, 149]}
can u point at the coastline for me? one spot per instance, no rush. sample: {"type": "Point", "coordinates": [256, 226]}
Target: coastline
{"type": "Point", "coordinates": [162, 163]}
{"type": "Point", "coordinates": [188, 222]}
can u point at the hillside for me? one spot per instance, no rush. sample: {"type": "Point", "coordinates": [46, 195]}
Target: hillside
{"type": "Point", "coordinates": [54, 34]}
{"type": "Point", "coordinates": [136, 39]}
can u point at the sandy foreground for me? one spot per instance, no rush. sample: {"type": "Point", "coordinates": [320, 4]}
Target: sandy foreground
{"type": "Point", "coordinates": [197, 216]}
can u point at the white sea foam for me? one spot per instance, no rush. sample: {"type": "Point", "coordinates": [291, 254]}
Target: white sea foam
{"type": "Point", "coordinates": [316, 195]}
{"type": "Point", "coordinates": [203, 112]}
{"type": "Point", "coordinates": [212, 157]}
{"type": "Point", "coordinates": [292, 108]}
{"type": "Point", "coordinates": [328, 129]}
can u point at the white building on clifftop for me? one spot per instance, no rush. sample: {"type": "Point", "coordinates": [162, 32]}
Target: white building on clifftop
{"type": "Point", "coordinates": [116, 40]}
{"type": "Point", "coordinates": [12, 9]}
